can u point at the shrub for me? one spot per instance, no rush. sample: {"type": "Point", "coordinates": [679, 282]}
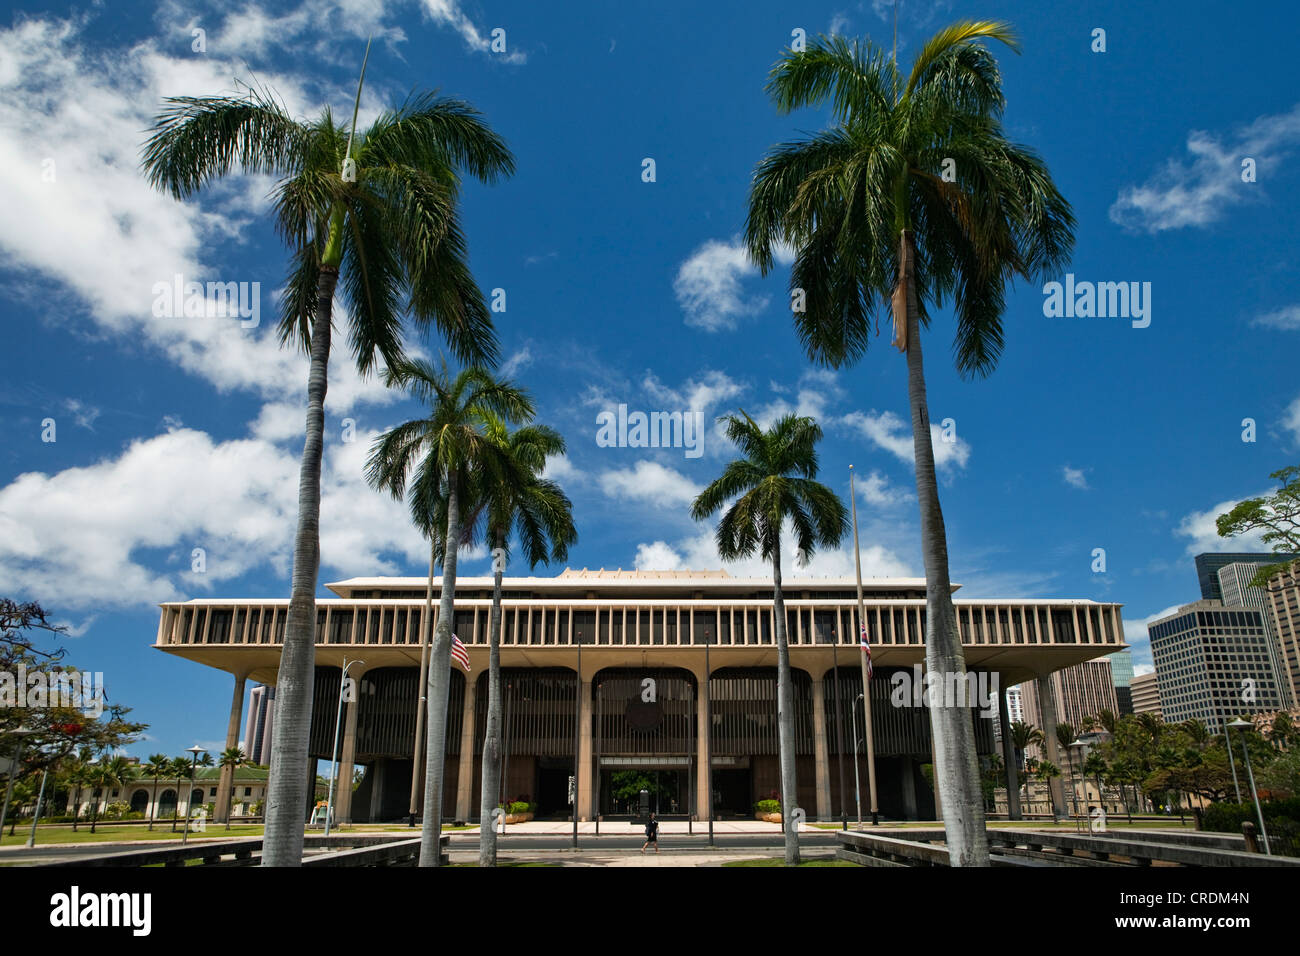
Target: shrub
{"type": "Point", "coordinates": [768, 806]}
{"type": "Point", "coordinates": [1281, 817]}
{"type": "Point", "coordinates": [520, 806]}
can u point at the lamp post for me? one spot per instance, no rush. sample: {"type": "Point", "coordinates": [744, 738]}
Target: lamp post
{"type": "Point", "coordinates": [1250, 775]}
{"type": "Point", "coordinates": [19, 733]}
{"type": "Point", "coordinates": [1078, 745]}
{"type": "Point", "coordinates": [1231, 762]}
{"type": "Point", "coordinates": [857, 785]}
{"type": "Point", "coordinates": [194, 762]}
{"type": "Point", "coordinates": [334, 754]}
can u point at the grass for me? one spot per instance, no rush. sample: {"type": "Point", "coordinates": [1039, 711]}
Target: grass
{"type": "Point", "coordinates": [778, 861]}
{"type": "Point", "coordinates": [108, 833]}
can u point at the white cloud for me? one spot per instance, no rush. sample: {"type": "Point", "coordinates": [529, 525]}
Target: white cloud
{"type": "Point", "coordinates": [1204, 537]}
{"type": "Point", "coordinates": [886, 430]}
{"type": "Point", "coordinates": [1074, 477]}
{"type": "Point", "coordinates": [448, 13]}
{"type": "Point", "coordinates": [708, 286]}
{"type": "Point", "coordinates": [1291, 422]}
{"type": "Point", "coordinates": [99, 232]}
{"type": "Point", "coordinates": [1286, 318]}
{"type": "Point", "coordinates": [876, 490]}
{"type": "Point", "coordinates": [82, 414]}
{"type": "Point", "coordinates": [700, 552]}
{"type": "Point", "coordinates": [181, 490]}
{"type": "Point", "coordinates": [520, 360]}
{"type": "Point", "coordinates": [650, 482]}
{"type": "Point", "coordinates": [1199, 190]}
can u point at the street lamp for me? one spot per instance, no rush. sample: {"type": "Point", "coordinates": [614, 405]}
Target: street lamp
{"type": "Point", "coordinates": [857, 787]}
{"type": "Point", "coordinates": [1077, 743]}
{"type": "Point", "coordinates": [189, 810]}
{"type": "Point", "coordinates": [334, 754]}
{"type": "Point", "coordinates": [1250, 775]}
{"type": "Point", "coordinates": [19, 733]}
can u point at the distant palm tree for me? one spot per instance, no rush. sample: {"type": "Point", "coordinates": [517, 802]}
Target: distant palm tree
{"type": "Point", "coordinates": [447, 451]}
{"type": "Point", "coordinates": [156, 766]}
{"type": "Point", "coordinates": [541, 516]}
{"type": "Point", "coordinates": [377, 210]}
{"type": "Point", "coordinates": [76, 772]}
{"type": "Point", "coordinates": [232, 758]}
{"type": "Point", "coordinates": [912, 197]}
{"type": "Point", "coordinates": [180, 769]}
{"type": "Point", "coordinates": [1023, 736]}
{"type": "Point", "coordinates": [773, 483]}
{"type": "Point", "coordinates": [113, 771]}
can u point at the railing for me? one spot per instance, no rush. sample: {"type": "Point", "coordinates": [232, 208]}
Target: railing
{"type": "Point", "coordinates": [352, 850]}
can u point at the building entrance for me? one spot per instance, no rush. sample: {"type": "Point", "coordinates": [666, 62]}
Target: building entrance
{"type": "Point", "coordinates": [620, 792]}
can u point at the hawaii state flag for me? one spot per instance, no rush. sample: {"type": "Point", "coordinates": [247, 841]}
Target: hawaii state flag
{"type": "Point", "coordinates": [866, 649]}
{"type": "Point", "coordinates": [459, 653]}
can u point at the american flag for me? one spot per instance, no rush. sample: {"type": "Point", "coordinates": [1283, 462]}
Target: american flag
{"type": "Point", "coordinates": [459, 652]}
{"type": "Point", "coordinates": [866, 649]}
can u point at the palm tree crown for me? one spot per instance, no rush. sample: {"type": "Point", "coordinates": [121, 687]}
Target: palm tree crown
{"type": "Point", "coordinates": [773, 482]}
{"type": "Point", "coordinates": [923, 154]}
{"type": "Point", "coordinates": [389, 222]}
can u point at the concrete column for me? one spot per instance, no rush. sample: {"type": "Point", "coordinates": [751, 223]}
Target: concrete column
{"type": "Point", "coordinates": [1047, 719]}
{"type": "Point", "coordinates": [347, 756]}
{"type": "Point", "coordinates": [1009, 759]}
{"type": "Point", "coordinates": [585, 801]}
{"type": "Point", "coordinates": [465, 808]}
{"type": "Point", "coordinates": [227, 778]}
{"type": "Point", "coordinates": [820, 751]}
{"type": "Point", "coordinates": [701, 752]}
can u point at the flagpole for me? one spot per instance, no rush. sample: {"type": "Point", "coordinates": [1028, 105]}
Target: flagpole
{"type": "Point", "coordinates": [866, 678]}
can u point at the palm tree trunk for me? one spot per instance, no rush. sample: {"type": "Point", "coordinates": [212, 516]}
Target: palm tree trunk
{"type": "Point", "coordinates": [956, 769]}
{"type": "Point", "coordinates": [487, 831]}
{"type": "Point", "coordinates": [440, 687]}
{"type": "Point", "coordinates": [287, 786]}
{"type": "Point", "coordinates": [422, 703]}
{"type": "Point", "coordinates": [176, 807]}
{"type": "Point", "coordinates": [153, 803]}
{"type": "Point", "coordinates": [785, 719]}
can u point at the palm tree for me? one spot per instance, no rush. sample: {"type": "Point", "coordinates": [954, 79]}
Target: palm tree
{"type": "Point", "coordinates": [913, 197]}
{"type": "Point", "coordinates": [76, 772]}
{"type": "Point", "coordinates": [541, 516]}
{"type": "Point", "coordinates": [155, 767]}
{"type": "Point", "coordinates": [443, 450]}
{"type": "Point", "coordinates": [111, 772]}
{"type": "Point", "coordinates": [232, 758]}
{"type": "Point", "coordinates": [1024, 735]}
{"type": "Point", "coordinates": [774, 483]}
{"type": "Point", "coordinates": [379, 212]}
{"type": "Point", "coordinates": [180, 769]}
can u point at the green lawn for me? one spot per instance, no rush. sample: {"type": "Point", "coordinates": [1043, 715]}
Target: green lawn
{"type": "Point", "coordinates": [108, 833]}
{"type": "Point", "coordinates": [777, 861]}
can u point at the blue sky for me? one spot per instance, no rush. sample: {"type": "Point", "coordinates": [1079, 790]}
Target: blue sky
{"type": "Point", "coordinates": [174, 434]}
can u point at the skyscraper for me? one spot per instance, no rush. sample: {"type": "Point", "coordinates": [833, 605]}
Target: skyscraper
{"type": "Point", "coordinates": [1121, 672]}
{"type": "Point", "coordinates": [1208, 565]}
{"type": "Point", "coordinates": [1234, 582]}
{"type": "Point", "coordinates": [1213, 662]}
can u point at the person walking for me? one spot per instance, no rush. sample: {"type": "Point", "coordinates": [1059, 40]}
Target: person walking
{"type": "Point", "coordinates": [651, 833]}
